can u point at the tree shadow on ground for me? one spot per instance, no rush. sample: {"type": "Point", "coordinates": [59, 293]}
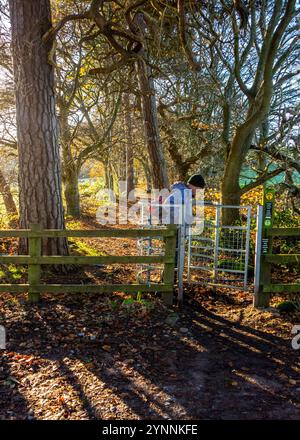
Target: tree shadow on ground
{"type": "Point", "coordinates": [12, 401]}
{"type": "Point", "coordinates": [205, 367]}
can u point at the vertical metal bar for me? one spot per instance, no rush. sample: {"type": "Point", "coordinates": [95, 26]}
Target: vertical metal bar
{"type": "Point", "coordinates": [258, 244]}
{"type": "Point", "coordinates": [247, 244]}
{"type": "Point", "coordinates": [216, 244]}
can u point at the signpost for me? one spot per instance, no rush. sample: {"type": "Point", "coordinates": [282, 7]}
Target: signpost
{"type": "Point", "coordinates": [263, 245]}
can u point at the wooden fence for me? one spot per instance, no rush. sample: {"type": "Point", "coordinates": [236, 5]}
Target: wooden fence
{"type": "Point", "coordinates": [35, 260]}
{"type": "Point", "coordinates": [265, 257]}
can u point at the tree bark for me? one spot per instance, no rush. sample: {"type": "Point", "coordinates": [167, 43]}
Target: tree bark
{"type": "Point", "coordinates": [129, 142]}
{"type": "Point", "coordinates": [149, 111]}
{"type": "Point", "coordinates": [71, 190]}
{"type": "Point", "coordinates": [109, 184]}
{"type": "Point", "coordinates": [70, 172]}
{"type": "Point", "coordinates": [150, 119]}
{"type": "Point", "coordinates": [231, 187]}
{"type": "Point", "coordinates": [147, 173]}
{"type": "Point", "coordinates": [8, 200]}
{"type": "Point", "coordinates": [231, 191]}
{"type": "Point", "coordinates": [39, 160]}
{"type": "Point", "coordinates": [182, 167]}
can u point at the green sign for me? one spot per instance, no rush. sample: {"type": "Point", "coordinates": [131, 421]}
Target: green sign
{"type": "Point", "coordinates": [269, 196]}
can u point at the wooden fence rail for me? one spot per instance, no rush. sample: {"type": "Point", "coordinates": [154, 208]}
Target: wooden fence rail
{"type": "Point", "coordinates": [35, 260]}
{"type": "Point", "coordinates": [269, 259]}
{"type": "Point", "coordinates": [265, 257]}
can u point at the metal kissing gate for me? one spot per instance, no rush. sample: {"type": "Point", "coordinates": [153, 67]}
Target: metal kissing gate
{"type": "Point", "coordinates": [217, 256]}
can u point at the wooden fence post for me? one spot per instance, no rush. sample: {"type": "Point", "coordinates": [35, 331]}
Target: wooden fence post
{"type": "Point", "coordinates": [261, 298]}
{"type": "Point", "coordinates": [169, 269]}
{"type": "Point", "coordinates": [34, 270]}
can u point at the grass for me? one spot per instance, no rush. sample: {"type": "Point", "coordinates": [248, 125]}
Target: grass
{"type": "Point", "coordinates": [80, 247]}
{"type": "Point", "coordinates": [12, 273]}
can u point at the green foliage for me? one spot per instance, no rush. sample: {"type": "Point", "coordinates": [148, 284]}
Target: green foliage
{"type": "Point", "coordinates": [12, 273]}
{"type": "Point", "coordinates": [235, 264]}
{"type": "Point", "coordinates": [88, 196]}
{"type": "Point", "coordinates": [286, 245]}
{"type": "Point", "coordinates": [73, 224]}
{"type": "Point", "coordinates": [90, 187]}
{"type": "Point", "coordinates": [131, 302]}
{"type": "Point", "coordinates": [7, 220]}
{"type": "Point", "coordinates": [287, 306]}
{"type": "Point", "coordinates": [114, 304]}
{"type": "Point", "coordinates": [80, 247]}
{"type": "Point", "coordinates": [138, 301]}
{"type": "Point", "coordinates": [286, 218]}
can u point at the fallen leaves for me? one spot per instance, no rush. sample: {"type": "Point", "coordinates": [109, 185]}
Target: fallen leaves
{"type": "Point", "coordinates": [88, 356]}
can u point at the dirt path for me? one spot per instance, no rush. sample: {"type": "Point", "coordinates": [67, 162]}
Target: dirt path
{"type": "Point", "coordinates": [88, 357]}
{"type": "Point", "coordinates": [92, 356]}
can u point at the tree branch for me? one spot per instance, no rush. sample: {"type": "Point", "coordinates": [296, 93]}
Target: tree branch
{"type": "Point", "coordinates": [260, 180]}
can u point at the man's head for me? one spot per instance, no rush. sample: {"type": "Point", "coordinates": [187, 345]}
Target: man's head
{"type": "Point", "coordinates": [195, 182]}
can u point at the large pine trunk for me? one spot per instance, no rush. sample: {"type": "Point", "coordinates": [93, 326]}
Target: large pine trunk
{"type": "Point", "coordinates": [39, 160]}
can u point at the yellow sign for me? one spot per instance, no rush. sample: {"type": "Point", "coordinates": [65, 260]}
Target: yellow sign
{"type": "Point", "coordinates": [269, 196]}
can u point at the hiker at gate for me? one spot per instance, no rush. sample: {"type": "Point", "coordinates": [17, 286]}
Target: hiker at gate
{"type": "Point", "coordinates": [178, 205]}
{"type": "Point", "coordinates": [177, 208]}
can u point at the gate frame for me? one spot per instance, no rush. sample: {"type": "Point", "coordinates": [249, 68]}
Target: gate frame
{"type": "Point", "coordinates": [219, 226]}
{"type": "Point", "coordinates": [183, 236]}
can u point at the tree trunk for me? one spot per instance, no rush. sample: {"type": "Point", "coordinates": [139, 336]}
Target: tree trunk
{"type": "Point", "coordinates": [155, 150]}
{"type": "Point", "coordinates": [70, 170]}
{"type": "Point", "coordinates": [39, 161]}
{"type": "Point", "coordinates": [129, 142]}
{"type": "Point", "coordinates": [182, 167]}
{"type": "Point", "coordinates": [147, 173]}
{"type": "Point", "coordinates": [8, 200]}
{"type": "Point", "coordinates": [109, 184]}
{"type": "Point", "coordinates": [231, 191]}
{"type": "Point", "coordinates": [231, 188]}
{"type": "Point", "coordinates": [240, 145]}
{"type": "Point", "coordinates": [259, 96]}
{"type": "Point", "coordinates": [72, 196]}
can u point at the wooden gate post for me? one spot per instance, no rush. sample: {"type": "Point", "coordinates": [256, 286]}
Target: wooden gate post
{"type": "Point", "coordinates": [261, 298]}
{"type": "Point", "coordinates": [34, 270]}
{"type": "Point", "coordinates": [169, 269]}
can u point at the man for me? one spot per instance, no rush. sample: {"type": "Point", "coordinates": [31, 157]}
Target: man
{"type": "Point", "coordinates": [182, 195]}
{"type": "Point", "coordinates": [177, 208]}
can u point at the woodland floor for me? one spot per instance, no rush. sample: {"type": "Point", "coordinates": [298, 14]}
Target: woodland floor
{"type": "Point", "coordinates": [92, 357]}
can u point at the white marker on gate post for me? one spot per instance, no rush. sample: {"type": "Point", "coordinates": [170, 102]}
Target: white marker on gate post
{"type": "Point", "coordinates": [2, 338]}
